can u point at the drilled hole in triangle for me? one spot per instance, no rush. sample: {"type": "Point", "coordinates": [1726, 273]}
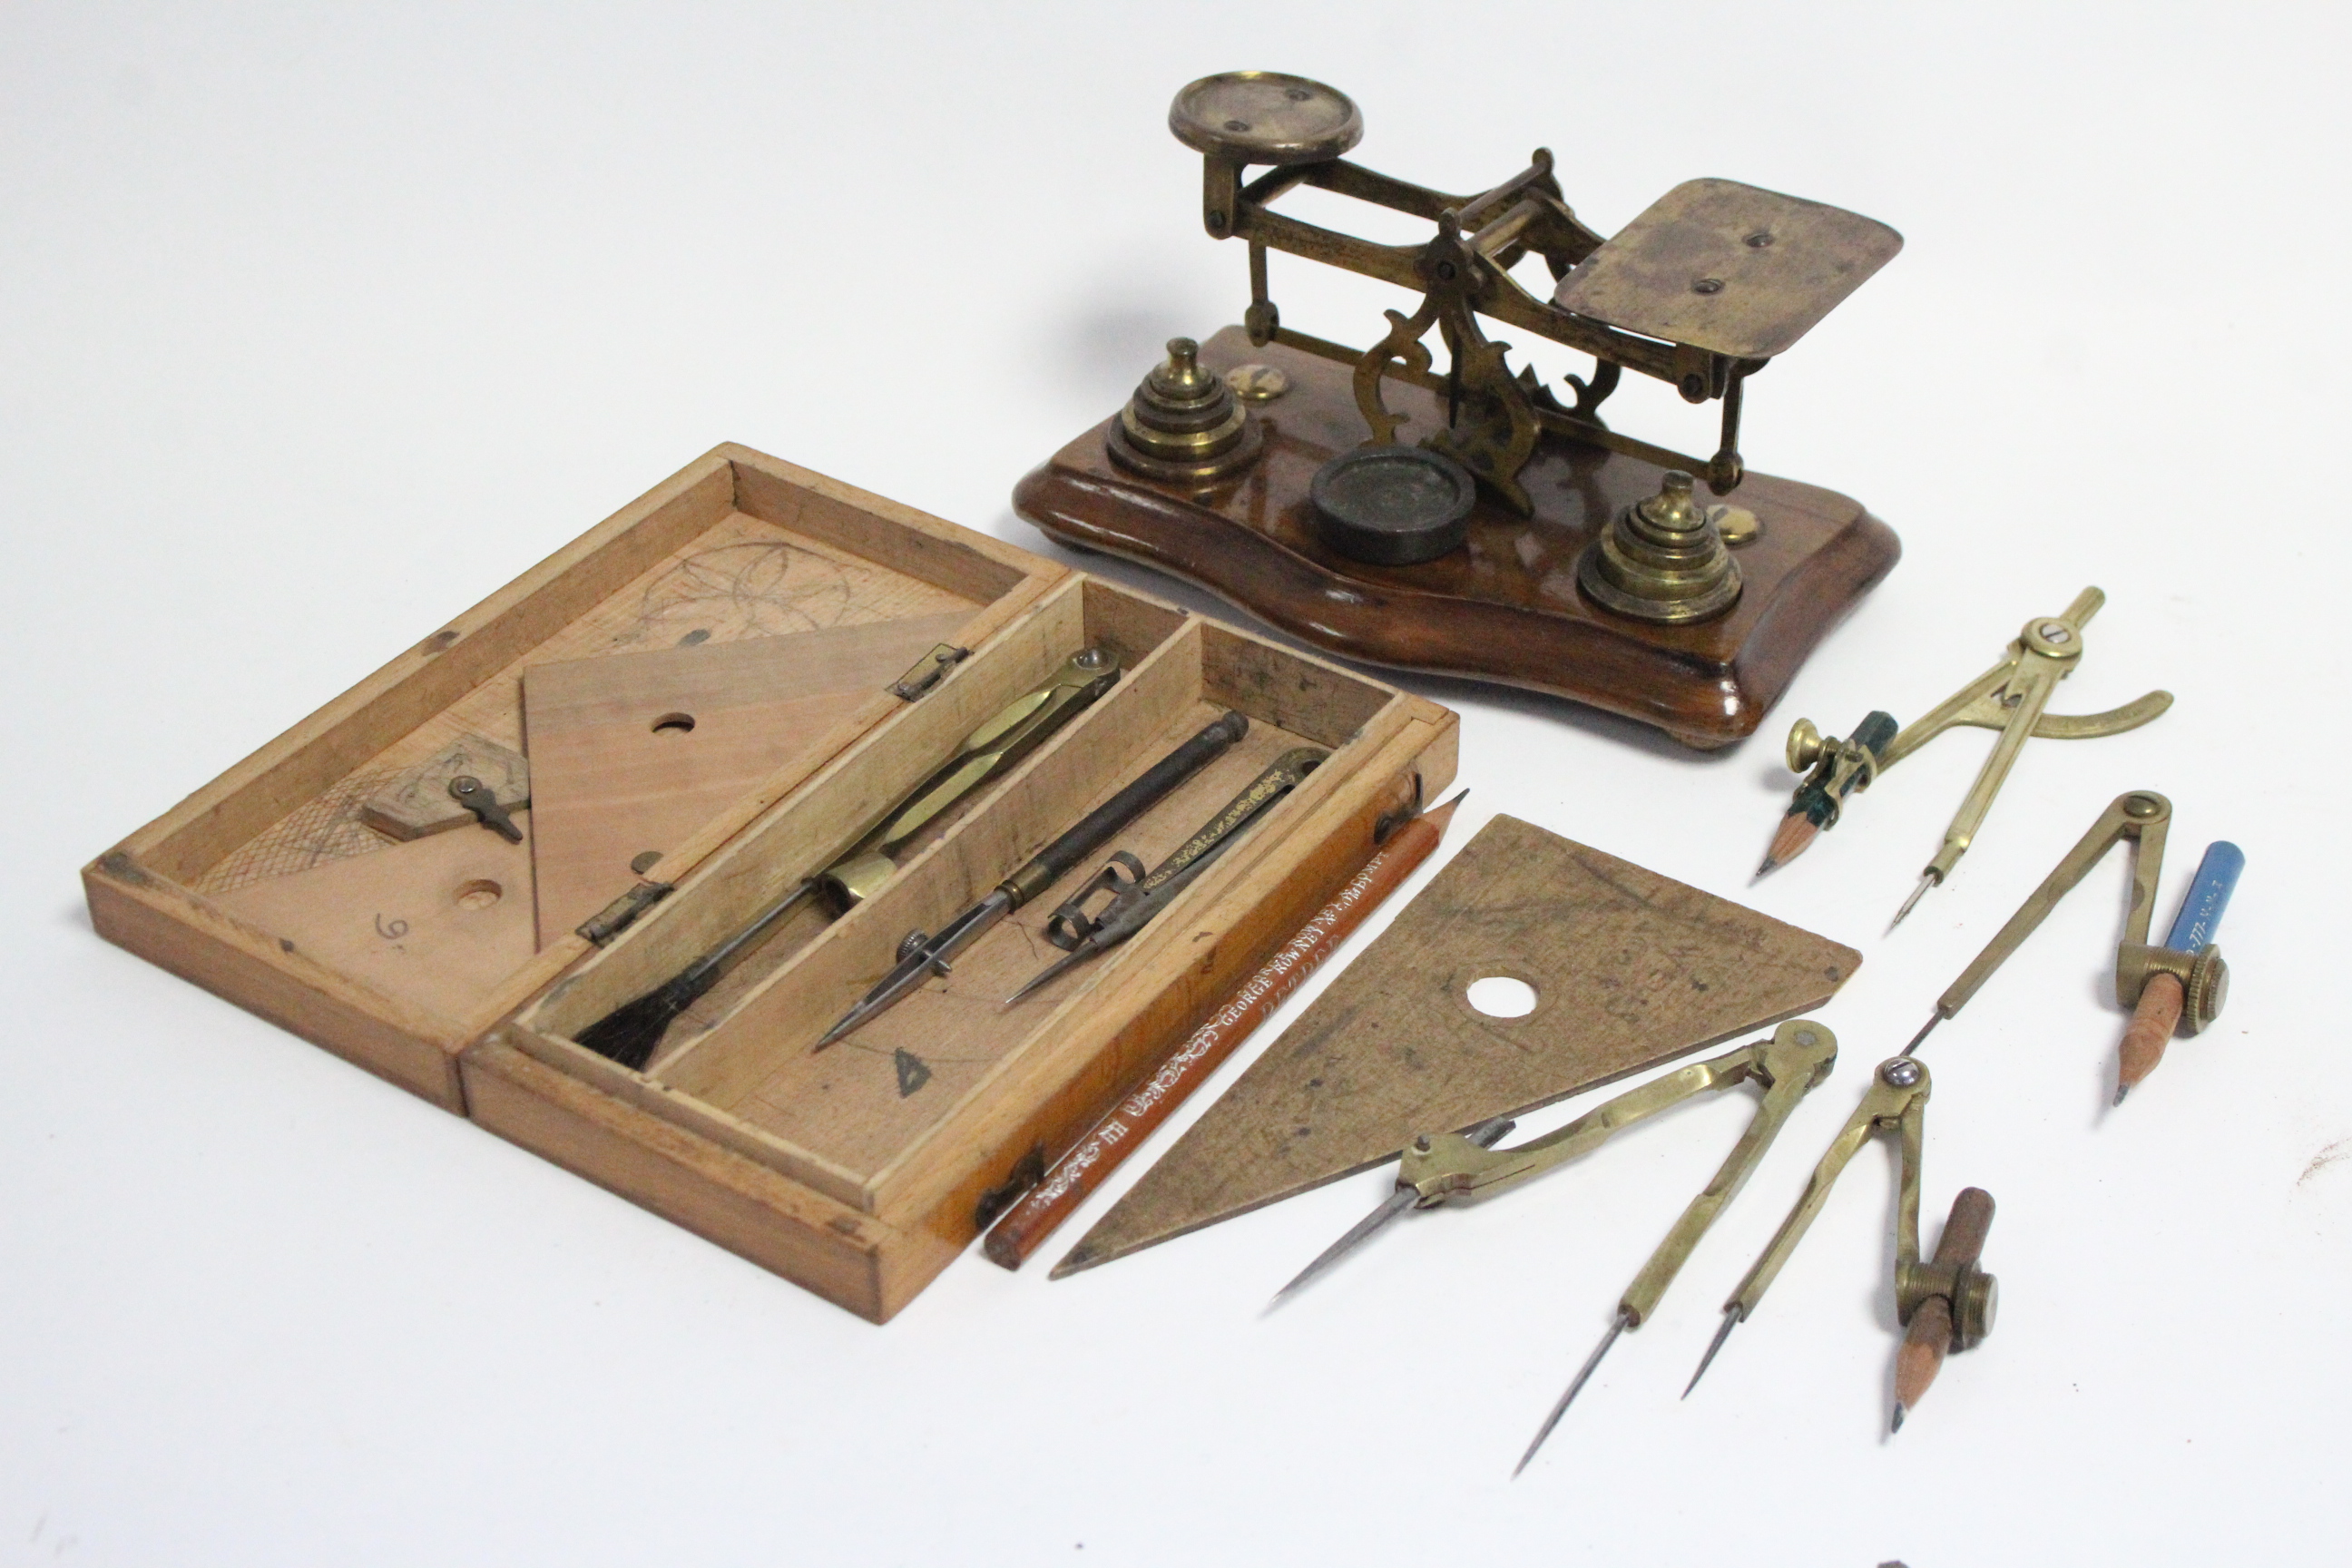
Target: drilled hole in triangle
{"type": "Point", "coordinates": [1501, 997]}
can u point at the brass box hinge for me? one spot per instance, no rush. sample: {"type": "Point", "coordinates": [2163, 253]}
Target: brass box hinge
{"type": "Point", "coordinates": [928, 671]}
{"type": "Point", "coordinates": [622, 912]}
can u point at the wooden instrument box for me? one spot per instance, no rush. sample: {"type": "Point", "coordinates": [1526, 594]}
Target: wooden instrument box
{"type": "Point", "coordinates": [862, 1171]}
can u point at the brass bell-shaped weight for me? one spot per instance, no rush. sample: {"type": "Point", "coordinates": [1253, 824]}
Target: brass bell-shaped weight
{"type": "Point", "coordinates": [1663, 560]}
{"type": "Point", "coordinates": [1184, 425]}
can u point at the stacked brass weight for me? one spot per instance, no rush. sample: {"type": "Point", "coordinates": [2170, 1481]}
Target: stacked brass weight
{"type": "Point", "coordinates": [1184, 425]}
{"type": "Point", "coordinates": [1663, 559]}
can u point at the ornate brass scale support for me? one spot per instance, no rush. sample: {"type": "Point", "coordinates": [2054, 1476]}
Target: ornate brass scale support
{"type": "Point", "coordinates": [1301, 128]}
{"type": "Point", "coordinates": [1511, 533]}
{"type": "Point", "coordinates": [1494, 416]}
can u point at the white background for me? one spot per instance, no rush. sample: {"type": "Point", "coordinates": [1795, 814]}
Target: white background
{"type": "Point", "coordinates": [321, 324]}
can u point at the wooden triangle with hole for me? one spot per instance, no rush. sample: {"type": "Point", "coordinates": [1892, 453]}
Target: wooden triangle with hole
{"type": "Point", "coordinates": [1629, 968]}
{"type": "Point", "coordinates": [632, 754]}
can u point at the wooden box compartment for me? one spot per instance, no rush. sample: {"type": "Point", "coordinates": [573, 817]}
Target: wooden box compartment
{"type": "Point", "coordinates": [265, 886]}
{"type": "Point", "coordinates": [862, 1170]}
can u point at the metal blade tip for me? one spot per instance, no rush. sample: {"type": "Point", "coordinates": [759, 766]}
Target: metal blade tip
{"type": "Point", "coordinates": [849, 1021]}
{"type": "Point", "coordinates": [1926, 881]}
{"type": "Point", "coordinates": [1047, 975]}
{"type": "Point", "coordinates": [1583, 1377]}
{"type": "Point", "coordinates": [1730, 1321]}
{"type": "Point", "coordinates": [1363, 1230]}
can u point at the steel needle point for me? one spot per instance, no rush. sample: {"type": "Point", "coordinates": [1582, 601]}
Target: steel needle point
{"type": "Point", "coordinates": [1730, 1321]}
{"type": "Point", "coordinates": [1623, 1320]}
{"type": "Point", "coordinates": [1485, 1134]}
{"type": "Point", "coordinates": [1925, 1029]}
{"type": "Point", "coordinates": [1926, 881]}
{"type": "Point", "coordinates": [1396, 1204]}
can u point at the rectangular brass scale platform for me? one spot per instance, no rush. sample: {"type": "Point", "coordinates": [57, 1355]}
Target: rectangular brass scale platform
{"type": "Point", "coordinates": [1470, 521]}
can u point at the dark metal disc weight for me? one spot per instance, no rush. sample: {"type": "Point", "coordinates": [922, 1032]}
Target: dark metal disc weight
{"type": "Point", "coordinates": [1393, 506]}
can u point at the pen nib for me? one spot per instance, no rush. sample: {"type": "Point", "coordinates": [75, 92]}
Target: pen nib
{"type": "Point", "coordinates": [848, 1025]}
{"type": "Point", "coordinates": [1050, 973]}
{"type": "Point", "coordinates": [1560, 1409]}
{"type": "Point", "coordinates": [1926, 881]}
{"type": "Point", "coordinates": [1730, 1321]}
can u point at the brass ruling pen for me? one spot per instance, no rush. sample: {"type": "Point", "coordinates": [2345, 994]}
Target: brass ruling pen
{"type": "Point", "coordinates": [1462, 1167]}
{"type": "Point", "coordinates": [630, 1031]}
{"type": "Point", "coordinates": [1138, 896]}
{"type": "Point", "coordinates": [922, 954]}
{"type": "Point", "coordinates": [2012, 697]}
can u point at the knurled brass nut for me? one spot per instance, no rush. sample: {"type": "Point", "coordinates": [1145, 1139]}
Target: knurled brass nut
{"type": "Point", "coordinates": [1976, 1301]}
{"type": "Point", "coordinates": [2207, 990]}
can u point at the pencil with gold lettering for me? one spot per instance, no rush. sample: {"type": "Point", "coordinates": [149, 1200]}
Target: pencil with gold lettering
{"type": "Point", "coordinates": [1108, 1143]}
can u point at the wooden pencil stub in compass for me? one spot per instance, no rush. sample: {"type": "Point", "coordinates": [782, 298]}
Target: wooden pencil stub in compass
{"type": "Point", "coordinates": [1663, 559]}
{"type": "Point", "coordinates": [1183, 424]}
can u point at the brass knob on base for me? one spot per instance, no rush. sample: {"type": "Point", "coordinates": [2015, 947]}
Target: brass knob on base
{"type": "Point", "coordinates": [1662, 559]}
{"type": "Point", "coordinates": [1183, 424]}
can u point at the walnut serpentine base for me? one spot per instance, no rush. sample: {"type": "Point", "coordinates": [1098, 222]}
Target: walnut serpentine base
{"type": "Point", "coordinates": [1506, 606]}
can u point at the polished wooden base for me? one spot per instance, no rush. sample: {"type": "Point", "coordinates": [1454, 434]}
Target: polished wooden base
{"type": "Point", "coordinates": [1506, 606]}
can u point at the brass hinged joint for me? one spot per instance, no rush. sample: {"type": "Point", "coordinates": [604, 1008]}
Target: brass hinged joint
{"type": "Point", "coordinates": [2142, 819]}
{"type": "Point", "coordinates": [928, 671]}
{"type": "Point", "coordinates": [622, 912]}
{"type": "Point", "coordinates": [1896, 1106]}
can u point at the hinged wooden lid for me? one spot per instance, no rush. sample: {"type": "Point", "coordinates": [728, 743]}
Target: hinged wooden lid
{"type": "Point", "coordinates": [269, 887]}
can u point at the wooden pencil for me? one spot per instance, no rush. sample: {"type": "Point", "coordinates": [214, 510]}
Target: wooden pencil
{"type": "Point", "coordinates": [1075, 1175]}
{"type": "Point", "coordinates": [2152, 1023]}
{"type": "Point", "coordinates": [1929, 1333]}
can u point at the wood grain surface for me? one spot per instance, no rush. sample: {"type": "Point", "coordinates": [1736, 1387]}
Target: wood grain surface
{"type": "Point", "coordinates": [418, 801]}
{"type": "Point", "coordinates": [1506, 606]}
{"type": "Point", "coordinates": [440, 922]}
{"type": "Point", "coordinates": [1629, 969]}
{"type": "Point", "coordinates": [739, 577]}
{"type": "Point", "coordinates": [631, 754]}
{"type": "Point", "coordinates": [1112, 1141]}
{"type": "Point", "coordinates": [736, 544]}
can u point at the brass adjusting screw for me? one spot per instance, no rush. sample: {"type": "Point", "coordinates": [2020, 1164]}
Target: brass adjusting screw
{"type": "Point", "coordinates": [1663, 559]}
{"type": "Point", "coordinates": [1184, 425]}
